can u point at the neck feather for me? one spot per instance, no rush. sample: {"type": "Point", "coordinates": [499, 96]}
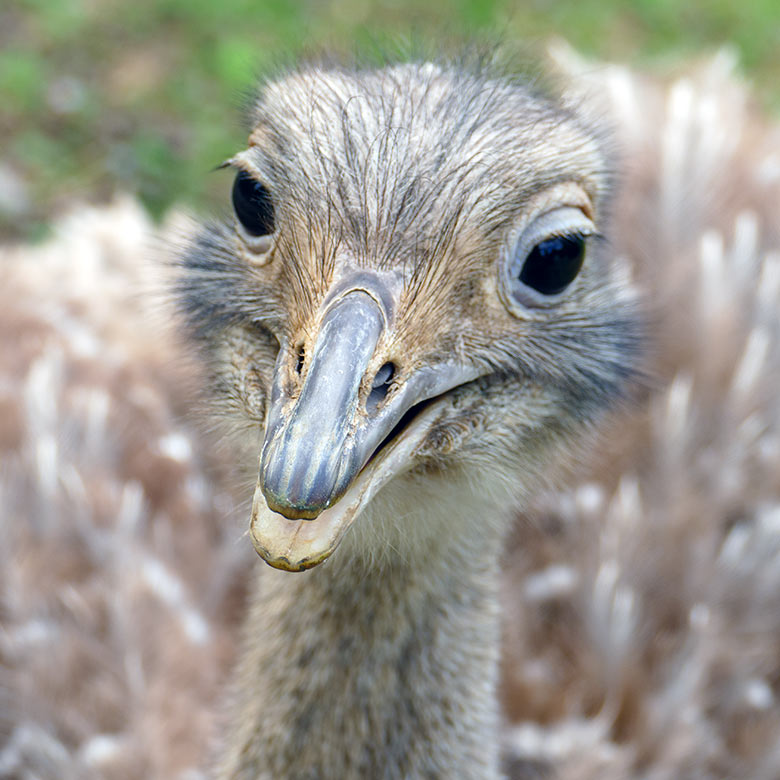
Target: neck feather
{"type": "Point", "coordinates": [374, 664]}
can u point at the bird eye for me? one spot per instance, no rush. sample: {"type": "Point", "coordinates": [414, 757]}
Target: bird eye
{"type": "Point", "coordinates": [552, 264]}
{"type": "Point", "coordinates": [547, 257]}
{"type": "Point", "coordinates": [252, 205]}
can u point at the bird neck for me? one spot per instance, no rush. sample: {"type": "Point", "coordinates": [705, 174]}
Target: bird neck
{"type": "Point", "coordinates": [383, 668]}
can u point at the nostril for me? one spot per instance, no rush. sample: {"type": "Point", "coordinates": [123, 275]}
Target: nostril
{"type": "Point", "coordinates": [380, 387]}
{"type": "Point", "coordinates": [301, 357]}
{"type": "Point", "coordinates": [384, 376]}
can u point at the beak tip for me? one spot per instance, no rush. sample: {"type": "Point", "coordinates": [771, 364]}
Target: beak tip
{"type": "Point", "coordinates": [295, 484]}
{"type": "Point", "coordinates": [292, 502]}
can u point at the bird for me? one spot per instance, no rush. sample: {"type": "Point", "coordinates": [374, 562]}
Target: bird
{"type": "Point", "coordinates": [417, 295]}
{"type": "Point", "coordinates": [445, 294]}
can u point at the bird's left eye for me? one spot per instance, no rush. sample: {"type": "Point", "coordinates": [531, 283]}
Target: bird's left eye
{"type": "Point", "coordinates": [547, 257]}
{"type": "Point", "coordinates": [552, 264]}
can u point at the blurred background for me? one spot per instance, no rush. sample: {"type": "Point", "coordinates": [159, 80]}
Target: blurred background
{"type": "Point", "coordinates": [106, 96]}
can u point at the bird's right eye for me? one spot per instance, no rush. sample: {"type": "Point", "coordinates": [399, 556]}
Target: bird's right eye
{"type": "Point", "coordinates": [252, 205]}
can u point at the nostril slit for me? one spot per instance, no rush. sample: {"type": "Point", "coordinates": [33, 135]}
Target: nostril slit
{"type": "Point", "coordinates": [301, 356]}
{"type": "Point", "coordinates": [380, 386]}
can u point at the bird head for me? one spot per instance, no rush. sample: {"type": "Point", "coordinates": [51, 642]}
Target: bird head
{"type": "Point", "coordinates": [415, 279]}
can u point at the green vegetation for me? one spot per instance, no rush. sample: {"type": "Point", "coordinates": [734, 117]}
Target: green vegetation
{"type": "Point", "coordinates": [99, 96]}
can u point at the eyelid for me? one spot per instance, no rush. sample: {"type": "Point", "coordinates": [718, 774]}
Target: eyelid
{"type": "Point", "coordinates": [258, 244]}
{"type": "Point", "coordinates": [562, 221]}
{"type": "Point", "coordinates": [248, 163]}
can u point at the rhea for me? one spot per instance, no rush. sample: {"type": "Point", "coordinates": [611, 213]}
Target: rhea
{"type": "Point", "coordinates": [413, 318]}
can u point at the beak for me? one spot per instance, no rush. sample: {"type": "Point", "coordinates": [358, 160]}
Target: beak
{"type": "Point", "coordinates": [319, 464]}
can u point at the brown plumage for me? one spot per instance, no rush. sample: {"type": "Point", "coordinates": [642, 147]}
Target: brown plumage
{"type": "Point", "coordinates": [640, 611]}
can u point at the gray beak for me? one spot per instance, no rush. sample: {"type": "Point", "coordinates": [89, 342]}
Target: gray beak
{"type": "Point", "coordinates": [313, 446]}
{"type": "Point", "coordinates": [315, 476]}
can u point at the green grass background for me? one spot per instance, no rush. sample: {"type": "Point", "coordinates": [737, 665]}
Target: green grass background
{"type": "Point", "coordinates": [101, 96]}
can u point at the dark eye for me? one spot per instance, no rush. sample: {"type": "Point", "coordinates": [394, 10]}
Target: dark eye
{"type": "Point", "coordinates": [552, 264]}
{"type": "Point", "coordinates": [253, 206]}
